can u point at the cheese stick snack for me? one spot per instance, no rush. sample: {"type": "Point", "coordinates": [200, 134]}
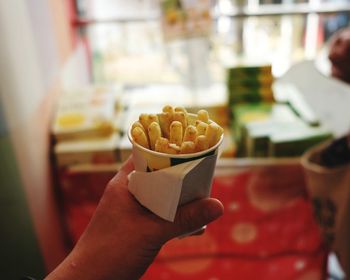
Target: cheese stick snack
{"type": "Point", "coordinates": [168, 109]}
{"type": "Point", "coordinates": [201, 127]}
{"type": "Point", "coordinates": [190, 133]}
{"type": "Point", "coordinates": [176, 133]}
{"type": "Point", "coordinates": [201, 143]}
{"type": "Point", "coordinates": [165, 120]}
{"type": "Point", "coordinates": [213, 133]}
{"type": "Point", "coordinates": [161, 145]}
{"type": "Point", "coordinates": [147, 119]}
{"type": "Point", "coordinates": [154, 133]}
{"type": "Point", "coordinates": [203, 116]}
{"type": "Point", "coordinates": [138, 124]}
{"type": "Point", "coordinates": [173, 149]}
{"type": "Point", "coordinates": [182, 118]}
{"type": "Point", "coordinates": [187, 147]}
{"type": "Point", "coordinates": [180, 109]}
{"type": "Point", "coordinates": [140, 137]}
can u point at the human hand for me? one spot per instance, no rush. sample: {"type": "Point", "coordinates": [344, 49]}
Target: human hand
{"type": "Point", "coordinates": [339, 55]}
{"type": "Point", "coordinates": [123, 238]}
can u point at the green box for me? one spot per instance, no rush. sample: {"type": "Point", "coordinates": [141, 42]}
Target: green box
{"type": "Point", "coordinates": [242, 114]}
{"type": "Point", "coordinates": [251, 70]}
{"type": "Point", "coordinates": [250, 95]}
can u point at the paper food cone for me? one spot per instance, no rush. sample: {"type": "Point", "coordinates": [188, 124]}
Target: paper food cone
{"type": "Point", "coordinates": [162, 182]}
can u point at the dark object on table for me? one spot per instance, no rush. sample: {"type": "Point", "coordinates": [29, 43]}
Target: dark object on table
{"type": "Point", "coordinates": [337, 153]}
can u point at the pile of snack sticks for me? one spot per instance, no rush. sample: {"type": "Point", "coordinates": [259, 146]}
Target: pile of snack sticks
{"type": "Point", "coordinates": [174, 131]}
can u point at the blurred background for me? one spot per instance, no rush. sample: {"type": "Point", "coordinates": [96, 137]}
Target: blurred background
{"type": "Point", "coordinates": [74, 74]}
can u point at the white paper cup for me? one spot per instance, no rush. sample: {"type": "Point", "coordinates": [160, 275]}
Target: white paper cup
{"type": "Point", "coordinates": [330, 194]}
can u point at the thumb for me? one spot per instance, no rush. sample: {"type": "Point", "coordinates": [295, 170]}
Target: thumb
{"type": "Point", "coordinates": [193, 216]}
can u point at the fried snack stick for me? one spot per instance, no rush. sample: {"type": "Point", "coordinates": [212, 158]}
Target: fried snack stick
{"type": "Point", "coordinates": [181, 109]}
{"type": "Point", "coordinates": [163, 146]}
{"type": "Point", "coordinates": [213, 133]}
{"type": "Point", "coordinates": [154, 133]}
{"type": "Point", "coordinates": [140, 137]}
{"type": "Point", "coordinates": [190, 133]}
{"type": "Point", "coordinates": [201, 143]}
{"type": "Point", "coordinates": [201, 127]}
{"type": "Point", "coordinates": [138, 124]}
{"type": "Point", "coordinates": [176, 133]}
{"type": "Point", "coordinates": [187, 147]}
{"type": "Point", "coordinates": [182, 118]}
{"type": "Point", "coordinates": [203, 116]}
{"type": "Point", "coordinates": [168, 109]}
{"type": "Point", "coordinates": [147, 119]}
{"type": "Point", "coordinates": [173, 149]}
{"type": "Point", "coordinates": [165, 120]}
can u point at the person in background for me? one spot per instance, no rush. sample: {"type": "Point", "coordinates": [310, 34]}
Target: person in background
{"type": "Point", "coordinates": [339, 55]}
{"type": "Point", "coordinates": [123, 238]}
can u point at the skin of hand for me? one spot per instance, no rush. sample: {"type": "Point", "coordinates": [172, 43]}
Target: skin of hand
{"type": "Point", "coordinates": [339, 55]}
{"type": "Point", "coordinates": [123, 238]}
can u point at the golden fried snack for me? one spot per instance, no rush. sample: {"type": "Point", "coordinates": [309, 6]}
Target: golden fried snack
{"type": "Point", "coordinates": [180, 109]}
{"type": "Point", "coordinates": [201, 143]}
{"type": "Point", "coordinates": [176, 133]}
{"type": "Point", "coordinates": [162, 145]}
{"type": "Point", "coordinates": [153, 118]}
{"type": "Point", "coordinates": [165, 120]}
{"type": "Point", "coordinates": [154, 133]}
{"type": "Point", "coordinates": [201, 127]}
{"type": "Point", "coordinates": [173, 149]}
{"type": "Point", "coordinates": [190, 133]}
{"type": "Point", "coordinates": [147, 119]}
{"type": "Point", "coordinates": [140, 137]}
{"type": "Point", "coordinates": [137, 124]}
{"type": "Point", "coordinates": [187, 147]}
{"type": "Point", "coordinates": [168, 109]}
{"type": "Point", "coordinates": [213, 133]}
{"type": "Point", "coordinates": [219, 134]}
{"type": "Point", "coordinates": [182, 118]}
{"type": "Point", "coordinates": [203, 116]}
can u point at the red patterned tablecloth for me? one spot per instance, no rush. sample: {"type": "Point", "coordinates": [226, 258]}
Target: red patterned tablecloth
{"type": "Point", "coordinates": [267, 232]}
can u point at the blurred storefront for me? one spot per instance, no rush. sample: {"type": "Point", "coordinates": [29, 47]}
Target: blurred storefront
{"type": "Point", "coordinates": [92, 67]}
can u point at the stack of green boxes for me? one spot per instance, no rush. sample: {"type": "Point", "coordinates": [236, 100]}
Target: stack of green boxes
{"type": "Point", "coordinates": [250, 84]}
{"type": "Point", "coordinates": [261, 127]}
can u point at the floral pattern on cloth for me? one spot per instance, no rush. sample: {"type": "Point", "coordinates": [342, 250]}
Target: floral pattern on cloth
{"type": "Point", "coordinates": [268, 231]}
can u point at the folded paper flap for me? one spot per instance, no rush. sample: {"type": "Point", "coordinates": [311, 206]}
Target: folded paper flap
{"type": "Point", "coordinates": [154, 194]}
{"type": "Point", "coordinates": [159, 191]}
{"type": "Point", "coordinates": [196, 185]}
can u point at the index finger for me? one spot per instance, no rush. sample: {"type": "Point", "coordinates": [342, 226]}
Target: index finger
{"type": "Point", "coordinates": [124, 171]}
{"type": "Point", "coordinates": [128, 166]}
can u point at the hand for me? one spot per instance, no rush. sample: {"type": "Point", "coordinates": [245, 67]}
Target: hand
{"type": "Point", "coordinates": [123, 238]}
{"type": "Point", "coordinates": [339, 55]}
